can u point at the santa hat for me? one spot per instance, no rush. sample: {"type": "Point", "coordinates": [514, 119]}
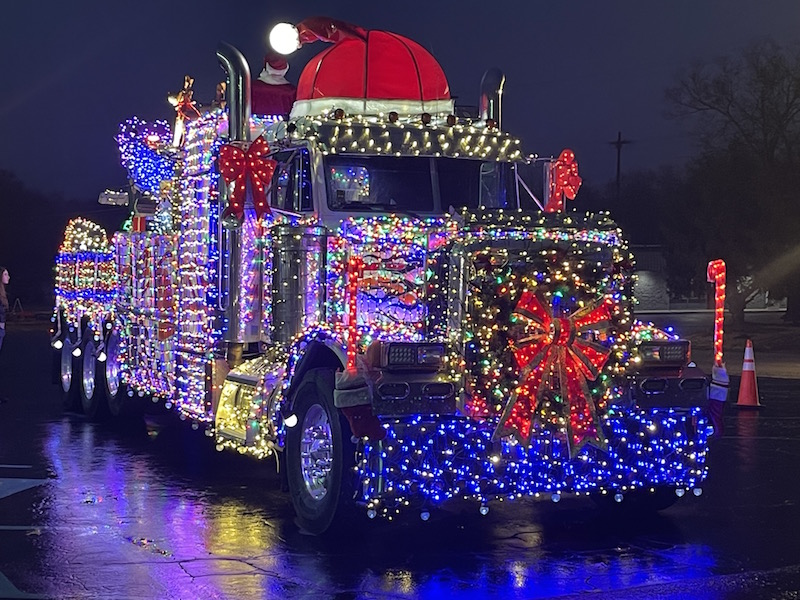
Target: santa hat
{"type": "Point", "coordinates": [364, 71]}
{"type": "Point", "coordinates": [275, 68]}
{"type": "Point", "coordinates": [286, 38]}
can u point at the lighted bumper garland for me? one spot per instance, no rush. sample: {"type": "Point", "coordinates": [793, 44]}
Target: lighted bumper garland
{"type": "Point", "coordinates": [422, 463]}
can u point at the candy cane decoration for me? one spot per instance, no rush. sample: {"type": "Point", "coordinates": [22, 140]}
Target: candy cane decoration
{"type": "Point", "coordinates": [716, 275]}
{"type": "Point", "coordinates": [355, 272]}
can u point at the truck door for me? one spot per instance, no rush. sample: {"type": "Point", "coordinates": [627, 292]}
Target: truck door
{"type": "Point", "coordinates": [297, 251]}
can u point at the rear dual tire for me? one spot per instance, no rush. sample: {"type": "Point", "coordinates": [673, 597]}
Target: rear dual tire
{"type": "Point", "coordinates": [68, 376]}
{"type": "Point", "coordinates": [91, 386]}
{"type": "Point", "coordinates": [109, 380]}
{"type": "Point", "coordinates": [93, 399]}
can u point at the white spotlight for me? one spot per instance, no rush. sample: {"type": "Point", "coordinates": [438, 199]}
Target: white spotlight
{"type": "Point", "coordinates": [284, 38]}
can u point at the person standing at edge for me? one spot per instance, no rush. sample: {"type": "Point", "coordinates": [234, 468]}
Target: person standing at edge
{"type": "Point", "coordinates": [4, 278]}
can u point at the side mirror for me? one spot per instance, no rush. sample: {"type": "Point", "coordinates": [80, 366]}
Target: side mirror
{"type": "Point", "coordinates": [112, 198]}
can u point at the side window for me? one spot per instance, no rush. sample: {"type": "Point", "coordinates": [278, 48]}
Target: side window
{"type": "Point", "coordinates": [497, 180]}
{"type": "Point", "coordinates": [282, 185]}
{"type": "Point", "coordinates": [304, 197]}
{"type": "Point", "coordinates": [490, 187]}
{"type": "Point", "coordinates": [291, 182]}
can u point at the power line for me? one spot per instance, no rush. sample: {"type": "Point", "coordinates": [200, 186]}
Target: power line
{"type": "Point", "coordinates": [618, 144]}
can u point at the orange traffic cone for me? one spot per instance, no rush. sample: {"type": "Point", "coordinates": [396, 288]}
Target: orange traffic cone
{"type": "Point", "coordinates": [748, 386]}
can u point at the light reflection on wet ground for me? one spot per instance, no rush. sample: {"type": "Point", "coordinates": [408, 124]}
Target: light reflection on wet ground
{"type": "Point", "coordinates": [156, 512]}
{"type": "Point", "coordinates": [132, 515]}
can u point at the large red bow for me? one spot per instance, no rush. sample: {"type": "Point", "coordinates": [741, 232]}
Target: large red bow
{"type": "Point", "coordinates": [239, 166]}
{"type": "Point", "coordinates": [555, 349]}
{"type": "Point", "coordinates": [564, 181]}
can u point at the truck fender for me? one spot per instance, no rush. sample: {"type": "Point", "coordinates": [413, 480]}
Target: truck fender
{"type": "Point", "coordinates": [320, 351]}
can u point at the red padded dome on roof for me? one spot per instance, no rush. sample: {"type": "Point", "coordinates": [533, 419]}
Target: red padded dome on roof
{"type": "Point", "coordinates": [384, 66]}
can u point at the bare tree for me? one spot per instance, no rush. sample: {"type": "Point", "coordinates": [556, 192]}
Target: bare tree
{"type": "Point", "coordinates": [752, 100]}
{"type": "Point", "coordinates": [745, 111]}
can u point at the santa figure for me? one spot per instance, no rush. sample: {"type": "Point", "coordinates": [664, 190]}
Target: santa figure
{"type": "Point", "coordinates": [271, 93]}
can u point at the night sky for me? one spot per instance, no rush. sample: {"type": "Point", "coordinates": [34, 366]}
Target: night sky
{"type": "Point", "coordinates": [577, 71]}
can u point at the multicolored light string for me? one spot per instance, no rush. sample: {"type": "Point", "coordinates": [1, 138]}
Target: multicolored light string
{"type": "Point", "coordinates": [146, 152]}
{"type": "Point", "coordinates": [423, 463]}
{"type": "Point", "coordinates": [86, 277]}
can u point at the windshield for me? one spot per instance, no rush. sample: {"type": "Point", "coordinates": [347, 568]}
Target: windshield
{"type": "Point", "coordinates": [416, 184]}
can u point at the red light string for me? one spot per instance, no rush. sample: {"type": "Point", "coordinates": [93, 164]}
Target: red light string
{"type": "Point", "coordinates": [716, 275]}
{"type": "Point", "coordinates": [355, 271]}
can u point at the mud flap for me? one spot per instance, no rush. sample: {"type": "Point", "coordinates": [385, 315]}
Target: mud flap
{"type": "Point", "coordinates": [717, 397]}
{"type": "Point", "coordinates": [352, 395]}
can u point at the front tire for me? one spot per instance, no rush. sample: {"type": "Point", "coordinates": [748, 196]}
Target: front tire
{"type": "Point", "coordinates": [319, 455]}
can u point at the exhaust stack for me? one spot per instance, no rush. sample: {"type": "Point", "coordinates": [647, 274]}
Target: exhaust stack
{"type": "Point", "coordinates": [238, 101]}
{"type": "Point", "coordinates": [491, 100]}
{"type": "Point", "coordinates": [237, 94]}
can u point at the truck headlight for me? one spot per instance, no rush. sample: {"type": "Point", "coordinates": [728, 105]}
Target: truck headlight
{"type": "Point", "coordinates": [402, 355]}
{"type": "Point", "coordinates": [427, 356]}
{"type": "Point", "coordinates": [664, 353]}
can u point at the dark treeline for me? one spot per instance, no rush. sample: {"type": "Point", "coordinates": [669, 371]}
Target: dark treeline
{"type": "Point", "coordinates": [31, 230]}
{"type": "Point", "coordinates": [722, 205]}
{"type": "Point", "coordinates": [717, 207]}
{"type": "Point", "coordinates": [738, 200]}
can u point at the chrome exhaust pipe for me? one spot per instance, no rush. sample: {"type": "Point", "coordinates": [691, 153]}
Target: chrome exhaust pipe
{"type": "Point", "coordinates": [491, 100]}
{"type": "Point", "coordinates": [237, 96]}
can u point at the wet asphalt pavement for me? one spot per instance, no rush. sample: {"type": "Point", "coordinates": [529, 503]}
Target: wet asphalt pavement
{"type": "Point", "coordinates": [151, 510]}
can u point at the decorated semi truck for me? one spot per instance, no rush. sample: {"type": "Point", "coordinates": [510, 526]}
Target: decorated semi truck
{"type": "Point", "coordinates": [354, 290]}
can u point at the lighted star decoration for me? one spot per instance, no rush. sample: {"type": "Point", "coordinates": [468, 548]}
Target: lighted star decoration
{"type": "Point", "coordinates": [552, 353]}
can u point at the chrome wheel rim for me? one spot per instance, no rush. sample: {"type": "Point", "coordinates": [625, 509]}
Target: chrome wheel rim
{"type": "Point", "coordinates": [66, 366]}
{"type": "Point", "coordinates": [316, 451]}
{"type": "Point", "coordinates": [112, 366]}
{"type": "Point", "coordinates": [88, 369]}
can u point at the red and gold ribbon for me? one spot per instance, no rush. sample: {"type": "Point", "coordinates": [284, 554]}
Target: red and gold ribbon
{"type": "Point", "coordinates": [557, 349]}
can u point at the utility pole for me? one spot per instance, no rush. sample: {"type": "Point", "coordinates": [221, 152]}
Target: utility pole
{"type": "Point", "coordinates": [618, 144]}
